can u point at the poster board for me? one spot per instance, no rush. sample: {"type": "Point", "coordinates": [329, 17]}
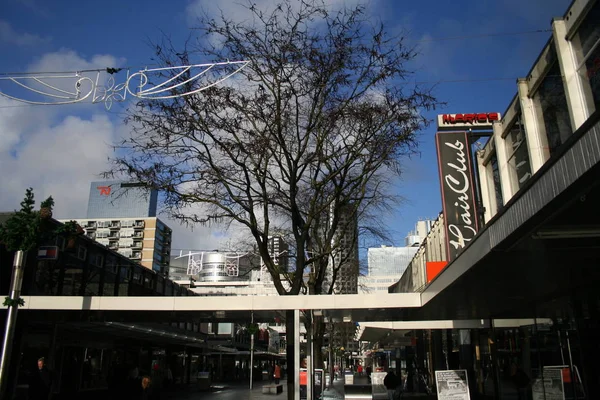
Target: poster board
{"type": "Point", "coordinates": [550, 387]}
{"type": "Point", "coordinates": [452, 385]}
{"type": "Point", "coordinates": [377, 387]}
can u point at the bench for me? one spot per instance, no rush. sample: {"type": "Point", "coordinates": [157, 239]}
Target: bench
{"type": "Point", "coordinates": [272, 389]}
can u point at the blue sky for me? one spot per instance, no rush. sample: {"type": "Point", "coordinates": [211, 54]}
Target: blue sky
{"type": "Point", "coordinates": [59, 149]}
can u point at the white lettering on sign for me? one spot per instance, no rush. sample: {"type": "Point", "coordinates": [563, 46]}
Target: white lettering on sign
{"type": "Point", "coordinates": [458, 181]}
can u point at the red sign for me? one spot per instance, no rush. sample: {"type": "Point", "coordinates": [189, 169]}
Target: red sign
{"type": "Point", "coordinates": [104, 190]}
{"type": "Point", "coordinates": [434, 268]}
{"type": "Point", "coordinates": [47, 253]}
{"type": "Point", "coordinates": [469, 118]}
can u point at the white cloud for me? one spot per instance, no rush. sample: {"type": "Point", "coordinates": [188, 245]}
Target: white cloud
{"type": "Point", "coordinates": [59, 155]}
{"type": "Point", "coordinates": [9, 36]}
{"type": "Point", "coordinates": [238, 10]}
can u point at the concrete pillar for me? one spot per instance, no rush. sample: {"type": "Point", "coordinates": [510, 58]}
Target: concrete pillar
{"type": "Point", "coordinates": [537, 143]}
{"type": "Point", "coordinates": [503, 167]}
{"type": "Point", "coordinates": [486, 185]}
{"type": "Point", "coordinates": [577, 89]}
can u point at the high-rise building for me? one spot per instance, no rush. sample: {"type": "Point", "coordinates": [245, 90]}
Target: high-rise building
{"type": "Point", "coordinates": [385, 267]}
{"type": "Point", "coordinates": [416, 237]}
{"type": "Point", "coordinates": [117, 199]}
{"type": "Point", "coordinates": [145, 240]}
{"type": "Point", "coordinates": [346, 253]}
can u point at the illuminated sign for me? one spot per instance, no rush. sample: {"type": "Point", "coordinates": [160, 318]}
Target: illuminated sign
{"type": "Point", "coordinates": [473, 121]}
{"type": "Point", "coordinates": [104, 190]}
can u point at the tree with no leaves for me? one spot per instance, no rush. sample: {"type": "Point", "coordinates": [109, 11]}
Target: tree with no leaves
{"type": "Point", "coordinates": [302, 141]}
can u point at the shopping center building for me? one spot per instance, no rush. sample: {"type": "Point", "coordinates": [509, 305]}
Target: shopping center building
{"type": "Point", "coordinates": [517, 241]}
{"type": "Point", "coordinates": [518, 238]}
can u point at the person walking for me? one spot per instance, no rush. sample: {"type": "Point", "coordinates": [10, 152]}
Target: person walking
{"type": "Point", "coordinates": [277, 373]}
{"type": "Point", "coordinates": [392, 383]}
{"type": "Point", "coordinates": [40, 384]}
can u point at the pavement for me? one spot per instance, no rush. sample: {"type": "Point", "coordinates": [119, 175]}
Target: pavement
{"type": "Point", "coordinates": [241, 391]}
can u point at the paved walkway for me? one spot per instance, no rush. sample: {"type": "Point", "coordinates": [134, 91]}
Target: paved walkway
{"type": "Point", "coordinates": [238, 390]}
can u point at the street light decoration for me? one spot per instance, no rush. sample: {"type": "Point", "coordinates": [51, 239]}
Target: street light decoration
{"type": "Point", "coordinates": [100, 86]}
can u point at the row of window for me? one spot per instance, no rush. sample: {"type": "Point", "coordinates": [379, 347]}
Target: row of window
{"type": "Point", "coordinates": [547, 110]}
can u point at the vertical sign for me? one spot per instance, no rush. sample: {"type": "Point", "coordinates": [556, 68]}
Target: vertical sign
{"type": "Point", "coordinates": [458, 194]}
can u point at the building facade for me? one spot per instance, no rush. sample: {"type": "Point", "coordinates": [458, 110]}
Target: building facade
{"type": "Point", "coordinates": [110, 199]}
{"type": "Point", "coordinates": [345, 253]}
{"type": "Point", "coordinates": [144, 240]}
{"type": "Point", "coordinates": [385, 267]}
{"type": "Point", "coordinates": [527, 249]}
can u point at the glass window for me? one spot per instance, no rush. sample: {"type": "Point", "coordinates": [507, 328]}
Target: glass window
{"type": "Point", "coordinates": [92, 283]}
{"type": "Point", "coordinates": [551, 107]}
{"type": "Point", "coordinates": [587, 43]}
{"type": "Point", "coordinates": [497, 184]}
{"type": "Point", "coordinates": [518, 159]}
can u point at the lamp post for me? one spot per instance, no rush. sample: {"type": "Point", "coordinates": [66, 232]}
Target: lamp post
{"type": "Point", "coordinates": [11, 318]}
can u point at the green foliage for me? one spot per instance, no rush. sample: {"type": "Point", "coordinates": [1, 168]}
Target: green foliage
{"type": "Point", "coordinates": [69, 229]}
{"type": "Point", "coordinates": [21, 231]}
{"type": "Point", "coordinates": [252, 329]}
{"type": "Point", "coordinates": [26, 228]}
{"type": "Point", "coordinates": [13, 302]}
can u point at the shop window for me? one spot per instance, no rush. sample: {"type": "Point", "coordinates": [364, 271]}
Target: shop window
{"type": "Point", "coordinates": [587, 44]}
{"type": "Point", "coordinates": [551, 107]}
{"type": "Point", "coordinates": [496, 182]}
{"type": "Point", "coordinates": [518, 159]}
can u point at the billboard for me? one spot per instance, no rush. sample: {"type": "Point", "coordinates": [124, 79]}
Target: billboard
{"type": "Point", "coordinates": [458, 192]}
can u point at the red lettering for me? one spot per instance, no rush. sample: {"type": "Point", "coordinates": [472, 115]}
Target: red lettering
{"type": "Point", "coordinates": [448, 119]}
{"type": "Point", "coordinates": [470, 118]}
{"type": "Point", "coordinates": [104, 190]}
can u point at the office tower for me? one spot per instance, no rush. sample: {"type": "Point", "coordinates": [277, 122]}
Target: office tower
{"type": "Point", "coordinates": [385, 267]}
{"type": "Point", "coordinates": [346, 252]}
{"type": "Point", "coordinates": [116, 199]}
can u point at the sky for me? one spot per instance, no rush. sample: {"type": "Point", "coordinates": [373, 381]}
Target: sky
{"type": "Point", "coordinates": [470, 51]}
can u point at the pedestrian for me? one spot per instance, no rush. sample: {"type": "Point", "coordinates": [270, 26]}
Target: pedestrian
{"type": "Point", "coordinates": [359, 370]}
{"type": "Point", "coordinates": [392, 383]}
{"type": "Point", "coordinates": [40, 384]}
{"type": "Point", "coordinates": [277, 373]}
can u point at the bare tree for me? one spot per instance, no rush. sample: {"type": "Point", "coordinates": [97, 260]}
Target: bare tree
{"type": "Point", "coordinates": [304, 140]}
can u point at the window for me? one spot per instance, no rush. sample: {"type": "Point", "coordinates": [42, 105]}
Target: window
{"type": "Point", "coordinates": [127, 223]}
{"type": "Point", "coordinates": [126, 242]}
{"type": "Point", "coordinates": [125, 252]}
{"type": "Point", "coordinates": [126, 233]}
{"type": "Point", "coordinates": [587, 44]}
{"type": "Point", "coordinates": [102, 233]}
{"type": "Point", "coordinates": [81, 253]}
{"type": "Point", "coordinates": [551, 106]}
{"type": "Point", "coordinates": [496, 181]}
{"type": "Point", "coordinates": [518, 159]}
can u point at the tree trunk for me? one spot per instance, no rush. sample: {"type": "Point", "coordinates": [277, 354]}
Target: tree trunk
{"type": "Point", "coordinates": [289, 336]}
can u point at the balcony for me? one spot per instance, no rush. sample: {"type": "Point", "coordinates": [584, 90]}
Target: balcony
{"type": "Point", "coordinates": [136, 255]}
{"type": "Point", "coordinates": [138, 225]}
{"type": "Point", "coordinates": [115, 225]}
{"type": "Point", "coordinates": [138, 245]}
{"type": "Point", "coordinates": [91, 225]}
